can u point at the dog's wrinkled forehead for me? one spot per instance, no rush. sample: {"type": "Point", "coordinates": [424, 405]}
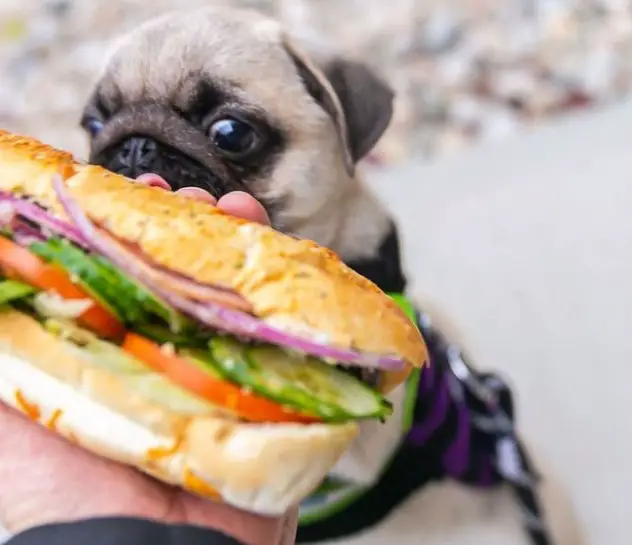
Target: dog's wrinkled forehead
{"type": "Point", "coordinates": [242, 52]}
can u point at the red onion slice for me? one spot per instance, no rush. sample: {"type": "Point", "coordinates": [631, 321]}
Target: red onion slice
{"type": "Point", "coordinates": [124, 257]}
{"type": "Point", "coordinates": [25, 235]}
{"type": "Point", "coordinates": [214, 315]}
{"type": "Point", "coordinates": [36, 214]}
{"type": "Point", "coordinates": [7, 213]}
{"type": "Point", "coordinates": [128, 260]}
{"type": "Point", "coordinates": [244, 325]}
{"type": "Point", "coordinates": [178, 283]}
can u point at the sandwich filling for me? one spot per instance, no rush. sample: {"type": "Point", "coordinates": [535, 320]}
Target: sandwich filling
{"type": "Point", "coordinates": [194, 348]}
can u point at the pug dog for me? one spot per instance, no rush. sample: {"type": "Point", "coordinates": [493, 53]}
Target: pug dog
{"type": "Point", "coordinates": [222, 100]}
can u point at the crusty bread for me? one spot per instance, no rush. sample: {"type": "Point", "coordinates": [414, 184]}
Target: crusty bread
{"type": "Point", "coordinates": [262, 468]}
{"type": "Point", "coordinates": [293, 284]}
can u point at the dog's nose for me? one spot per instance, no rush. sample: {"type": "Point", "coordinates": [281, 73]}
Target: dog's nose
{"type": "Point", "coordinates": [136, 155]}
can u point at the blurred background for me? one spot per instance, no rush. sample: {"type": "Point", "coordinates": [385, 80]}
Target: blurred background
{"type": "Point", "coordinates": [508, 168]}
{"type": "Point", "coordinates": [465, 70]}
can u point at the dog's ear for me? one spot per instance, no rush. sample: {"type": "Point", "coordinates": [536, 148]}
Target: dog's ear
{"type": "Point", "coordinates": [358, 101]}
{"type": "Point", "coordinates": [367, 103]}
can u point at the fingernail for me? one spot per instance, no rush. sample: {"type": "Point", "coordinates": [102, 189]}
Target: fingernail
{"type": "Point", "coordinates": [197, 194]}
{"type": "Point", "coordinates": [153, 180]}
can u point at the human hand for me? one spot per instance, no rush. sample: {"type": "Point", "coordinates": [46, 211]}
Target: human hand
{"type": "Point", "coordinates": [46, 479]}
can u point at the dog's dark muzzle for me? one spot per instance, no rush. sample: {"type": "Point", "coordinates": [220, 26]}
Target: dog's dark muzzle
{"type": "Point", "coordinates": [141, 154]}
{"type": "Point", "coordinates": [150, 138]}
{"type": "Point", "coordinates": [136, 156]}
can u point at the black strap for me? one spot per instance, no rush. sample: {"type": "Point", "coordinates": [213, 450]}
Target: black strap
{"type": "Point", "coordinates": [489, 403]}
{"type": "Point", "coordinates": [463, 429]}
{"type": "Point", "coordinates": [120, 531]}
{"type": "Point", "coordinates": [385, 268]}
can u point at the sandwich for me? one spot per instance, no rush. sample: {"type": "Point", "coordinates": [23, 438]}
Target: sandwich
{"type": "Point", "coordinates": [212, 353]}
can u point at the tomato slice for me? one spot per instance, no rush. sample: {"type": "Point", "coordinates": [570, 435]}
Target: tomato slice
{"type": "Point", "coordinates": [19, 263]}
{"type": "Point", "coordinates": [216, 390]}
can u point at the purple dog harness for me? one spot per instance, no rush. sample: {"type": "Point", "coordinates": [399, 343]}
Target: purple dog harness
{"type": "Point", "coordinates": [460, 425]}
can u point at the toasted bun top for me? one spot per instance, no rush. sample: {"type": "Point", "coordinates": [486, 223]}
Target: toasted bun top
{"type": "Point", "coordinates": [293, 284]}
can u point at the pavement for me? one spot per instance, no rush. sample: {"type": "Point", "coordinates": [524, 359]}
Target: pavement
{"type": "Point", "coordinates": [525, 247]}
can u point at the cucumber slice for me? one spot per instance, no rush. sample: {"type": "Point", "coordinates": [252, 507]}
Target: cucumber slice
{"type": "Point", "coordinates": [301, 382]}
{"type": "Point", "coordinates": [162, 335]}
{"type": "Point", "coordinates": [135, 374]}
{"type": "Point", "coordinates": [12, 290]}
{"type": "Point", "coordinates": [88, 346]}
{"type": "Point", "coordinates": [122, 296]}
{"type": "Point", "coordinates": [161, 390]}
{"type": "Point", "coordinates": [80, 267]}
{"type": "Point", "coordinates": [234, 363]}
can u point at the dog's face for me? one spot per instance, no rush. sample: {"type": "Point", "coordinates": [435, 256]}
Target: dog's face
{"type": "Point", "coordinates": [219, 99]}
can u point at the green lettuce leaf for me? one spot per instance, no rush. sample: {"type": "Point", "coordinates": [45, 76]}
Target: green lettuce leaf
{"type": "Point", "coordinates": [130, 301]}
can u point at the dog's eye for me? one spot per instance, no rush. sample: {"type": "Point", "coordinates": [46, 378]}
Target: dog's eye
{"type": "Point", "coordinates": [93, 125]}
{"type": "Point", "coordinates": [234, 138]}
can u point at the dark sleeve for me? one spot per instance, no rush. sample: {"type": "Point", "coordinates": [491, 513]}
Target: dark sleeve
{"type": "Point", "coordinates": [120, 531]}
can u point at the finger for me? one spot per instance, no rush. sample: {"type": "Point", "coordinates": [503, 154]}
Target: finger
{"type": "Point", "coordinates": [244, 206]}
{"type": "Point", "coordinates": [197, 194]}
{"type": "Point", "coordinates": [288, 528]}
{"type": "Point", "coordinates": [238, 203]}
{"type": "Point", "coordinates": [153, 180]}
{"type": "Point", "coordinates": [46, 479]}
{"type": "Point", "coordinates": [247, 527]}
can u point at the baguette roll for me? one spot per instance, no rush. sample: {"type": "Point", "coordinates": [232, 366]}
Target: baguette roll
{"type": "Point", "coordinates": [295, 286]}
